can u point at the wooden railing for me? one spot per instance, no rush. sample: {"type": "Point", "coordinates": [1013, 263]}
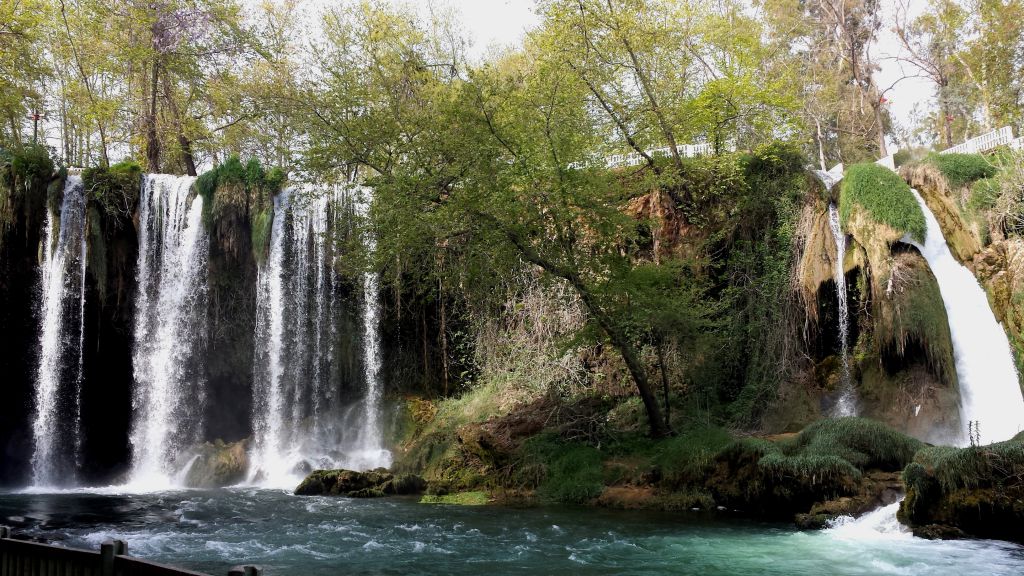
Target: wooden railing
{"type": "Point", "coordinates": [22, 558]}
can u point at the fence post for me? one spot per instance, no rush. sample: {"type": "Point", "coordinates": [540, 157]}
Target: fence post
{"type": "Point", "coordinates": [5, 532]}
{"type": "Point", "coordinates": [246, 571]}
{"type": "Point", "coordinates": [108, 551]}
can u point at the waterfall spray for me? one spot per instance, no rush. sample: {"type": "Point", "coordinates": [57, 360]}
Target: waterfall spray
{"type": "Point", "coordinates": [170, 324]}
{"type": "Point", "coordinates": [847, 403]}
{"type": "Point", "coordinates": [989, 386]}
{"type": "Point", "coordinates": [61, 296]}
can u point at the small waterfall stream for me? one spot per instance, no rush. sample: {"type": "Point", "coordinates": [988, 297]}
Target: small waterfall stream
{"type": "Point", "coordinates": [170, 321]}
{"type": "Point", "coordinates": [990, 391]}
{"type": "Point", "coordinates": [56, 422]}
{"type": "Point", "coordinates": [847, 403]}
{"type": "Point", "coordinates": [371, 445]}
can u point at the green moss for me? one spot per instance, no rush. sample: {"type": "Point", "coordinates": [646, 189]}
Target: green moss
{"type": "Point", "coordinates": [460, 499]}
{"type": "Point", "coordinates": [24, 175]}
{"type": "Point", "coordinates": [885, 196]}
{"type": "Point", "coordinates": [962, 169]}
{"type": "Point", "coordinates": [262, 223]}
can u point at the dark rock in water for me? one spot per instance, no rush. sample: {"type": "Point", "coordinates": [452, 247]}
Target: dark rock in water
{"type": "Point", "coordinates": [372, 484]}
{"type": "Point", "coordinates": [218, 464]}
{"type": "Point", "coordinates": [938, 532]}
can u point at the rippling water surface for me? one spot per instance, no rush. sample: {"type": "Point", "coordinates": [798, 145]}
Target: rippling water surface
{"type": "Point", "coordinates": [290, 535]}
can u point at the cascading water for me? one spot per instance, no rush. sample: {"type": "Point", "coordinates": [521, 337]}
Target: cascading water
{"type": "Point", "coordinates": [990, 393]}
{"type": "Point", "coordinates": [170, 318]}
{"type": "Point", "coordinates": [371, 447]}
{"type": "Point", "coordinates": [847, 403]}
{"type": "Point", "coordinates": [61, 297]}
{"type": "Point", "coordinates": [299, 421]}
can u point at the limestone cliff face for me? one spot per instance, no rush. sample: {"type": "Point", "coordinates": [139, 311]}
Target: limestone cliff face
{"type": "Point", "coordinates": [944, 202]}
{"type": "Point", "coordinates": [1000, 268]}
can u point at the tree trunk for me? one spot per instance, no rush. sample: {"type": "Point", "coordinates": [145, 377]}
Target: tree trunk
{"type": "Point", "coordinates": [664, 383]}
{"type": "Point", "coordinates": [152, 138]}
{"type": "Point", "coordinates": [616, 335]}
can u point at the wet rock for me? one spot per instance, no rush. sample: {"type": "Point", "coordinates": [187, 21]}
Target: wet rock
{"type": "Point", "coordinates": [938, 532]}
{"type": "Point", "coordinates": [372, 484]}
{"type": "Point", "coordinates": [218, 464]}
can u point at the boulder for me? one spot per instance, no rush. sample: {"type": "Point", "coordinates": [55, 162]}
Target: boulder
{"type": "Point", "coordinates": [371, 484]}
{"type": "Point", "coordinates": [976, 491]}
{"type": "Point", "coordinates": [218, 464]}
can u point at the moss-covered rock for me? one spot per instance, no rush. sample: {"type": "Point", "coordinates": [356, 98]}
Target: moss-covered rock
{"type": "Point", "coordinates": [884, 197]}
{"type": "Point", "coordinates": [218, 464]}
{"type": "Point", "coordinates": [945, 199]}
{"type": "Point", "coordinates": [372, 484]}
{"type": "Point", "coordinates": [978, 491]}
{"type": "Point", "coordinates": [25, 174]}
{"type": "Point", "coordinates": [829, 460]}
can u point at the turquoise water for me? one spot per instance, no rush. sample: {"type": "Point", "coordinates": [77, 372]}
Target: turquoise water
{"type": "Point", "coordinates": [289, 535]}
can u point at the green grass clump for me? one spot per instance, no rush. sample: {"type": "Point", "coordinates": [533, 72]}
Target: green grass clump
{"type": "Point", "coordinates": [962, 169]}
{"type": "Point", "coordinates": [885, 197]}
{"type": "Point", "coordinates": [459, 498]}
{"type": "Point", "coordinates": [998, 464]}
{"type": "Point", "coordinates": [862, 442]}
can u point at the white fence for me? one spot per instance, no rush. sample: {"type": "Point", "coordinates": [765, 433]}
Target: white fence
{"type": "Point", "coordinates": [987, 141]}
{"type": "Point", "coordinates": [635, 158]}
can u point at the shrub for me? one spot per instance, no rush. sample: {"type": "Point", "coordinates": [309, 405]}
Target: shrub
{"type": "Point", "coordinates": [984, 194]}
{"type": "Point", "coordinates": [962, 169]}
{"type": "Point", "coordinates": [687, 457]}
{"type": "Point", "coordinates": [114, 189]}
{"type": "Point", "coordinates": [563, 472]}
{"type": "Point", "coordinates": [885, 197]}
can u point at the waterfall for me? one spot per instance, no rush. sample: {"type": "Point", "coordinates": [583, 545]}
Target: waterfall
{"type": "Point", "coordinates": [847, 403]}
{"type": "Point", "coordinates": [293, 393]}
{"type": "Point", "coordinates": [990, 393]}
{"type": "Point", "coordinates": [170, 316]}
{"type": "Point", "coordinates": [299, 421]}
{"type": "Point", "coordinates": [56, 420]}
